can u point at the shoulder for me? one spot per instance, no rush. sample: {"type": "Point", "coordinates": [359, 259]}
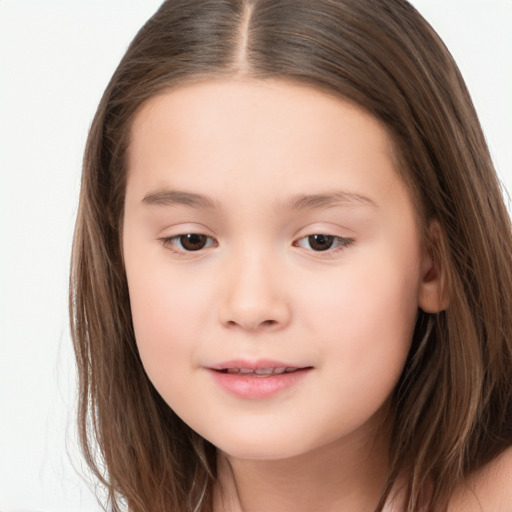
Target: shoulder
{"type": "Point", "coordinates": [487, 490]}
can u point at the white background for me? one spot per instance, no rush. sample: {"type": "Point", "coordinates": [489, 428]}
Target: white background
{"type": "Point", "coordinates": [56, 58]}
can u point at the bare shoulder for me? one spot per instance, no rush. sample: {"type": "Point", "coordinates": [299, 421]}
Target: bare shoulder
{"type": "Point", "coordinates": [488, 490]}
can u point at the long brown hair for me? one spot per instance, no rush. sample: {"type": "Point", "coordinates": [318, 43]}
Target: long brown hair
{"type": "Point", "coordinates": [451, 410]}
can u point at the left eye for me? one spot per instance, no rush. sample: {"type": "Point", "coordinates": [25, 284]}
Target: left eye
{"type": "Point", "coordinates": [321, 242]}
{"type": "Point", "coordinates": [190, 242]}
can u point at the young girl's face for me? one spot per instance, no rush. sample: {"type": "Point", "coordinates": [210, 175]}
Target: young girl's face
{"type": "Point", "coordinates": [274, 263]}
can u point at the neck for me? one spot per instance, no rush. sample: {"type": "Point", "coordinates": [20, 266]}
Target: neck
{"type": "Point", "coordinates": [346, 475]}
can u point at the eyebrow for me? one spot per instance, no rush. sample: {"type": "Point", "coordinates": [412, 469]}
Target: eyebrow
{"type": "Point", "coordinates": [297, 202]}
{"type": "Point", "coordinates": [178, 197]}
{"type": "Point", "coordinates": [339, 197]}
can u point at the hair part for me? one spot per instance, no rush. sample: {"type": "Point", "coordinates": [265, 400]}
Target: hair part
{"type": "Point", "coordinates": [451, 410]}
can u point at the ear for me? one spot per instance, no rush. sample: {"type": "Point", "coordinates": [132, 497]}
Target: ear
{"type": "Point", "coordinates": [434, 295]}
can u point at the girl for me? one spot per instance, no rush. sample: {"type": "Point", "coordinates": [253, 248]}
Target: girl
{"type": "Point", "coordinates": [291, 275]}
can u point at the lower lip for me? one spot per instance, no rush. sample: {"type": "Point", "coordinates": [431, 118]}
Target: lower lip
{"type": "Point", "coordinates": [253, 387]}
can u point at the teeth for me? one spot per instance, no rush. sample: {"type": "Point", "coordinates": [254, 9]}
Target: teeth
{"type": "Point", "coordinates": [263, 372]}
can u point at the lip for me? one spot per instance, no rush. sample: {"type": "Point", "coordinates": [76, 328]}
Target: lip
{"type": "Point", "coordinates": [252, 385]}
{"type": "Point", "coordinates": [252, 365]}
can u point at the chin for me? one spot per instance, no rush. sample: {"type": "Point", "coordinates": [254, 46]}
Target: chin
{"type": "Point", "coordinates": [260, 445]}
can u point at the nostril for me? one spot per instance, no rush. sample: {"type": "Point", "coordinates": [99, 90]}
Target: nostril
{"type": "Point", "coordinates": [253, 325]}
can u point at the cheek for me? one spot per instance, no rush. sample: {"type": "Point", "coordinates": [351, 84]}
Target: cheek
{"type": "Point", "coordinates": [161, 305]}
{"type": "Point", "coordinates": [166, 314]}
{"type": "Point", "coordinates": [368, 320]}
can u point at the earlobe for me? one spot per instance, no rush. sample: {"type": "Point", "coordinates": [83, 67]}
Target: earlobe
{"type": "Point", "coordinates": [434, 295]}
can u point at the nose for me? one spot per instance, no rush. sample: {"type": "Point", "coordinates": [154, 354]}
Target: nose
{"type": "Point", "coordinates": [253, 296]}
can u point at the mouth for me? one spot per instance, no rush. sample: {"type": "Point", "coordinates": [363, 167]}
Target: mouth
{"type": "Point", "coordinates": [259, 368]}
{"type": "Point", "coordinates": [260, 372]}
{"type": "Point", "coordinates": [259, 380]}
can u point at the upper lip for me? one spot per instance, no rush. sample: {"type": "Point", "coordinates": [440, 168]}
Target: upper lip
{"type": "Point", "coordinates": [260, 364]}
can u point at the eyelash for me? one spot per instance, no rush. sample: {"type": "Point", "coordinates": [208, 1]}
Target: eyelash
{"type": "Point", "coordinates": [338, 242]}
{"type": "Point", "coordinates": [178, 239]}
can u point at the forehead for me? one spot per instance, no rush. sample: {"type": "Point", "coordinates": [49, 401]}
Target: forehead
{"type": "Point", "coordinates": [269, 137]}
{"type": "Point", "coordinates": [217, 108]}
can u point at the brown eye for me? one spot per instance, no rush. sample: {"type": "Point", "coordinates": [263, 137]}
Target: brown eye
{"type": "Point", "coordinates": [320, 242]}
{"type": "Point", "coordinates": [188, 243]}
{"type": "Point", "coordinates": [193, 241]}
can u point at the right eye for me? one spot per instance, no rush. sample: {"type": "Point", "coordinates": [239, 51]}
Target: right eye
{"type": "Point", "coordinates": [189, 242]}
{"type": "Point", "coordinates": [323, 243]}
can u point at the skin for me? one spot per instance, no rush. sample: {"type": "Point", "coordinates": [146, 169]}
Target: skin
{"type": "Point", "coordinates": [259, 289]}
